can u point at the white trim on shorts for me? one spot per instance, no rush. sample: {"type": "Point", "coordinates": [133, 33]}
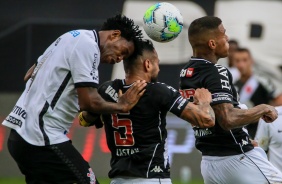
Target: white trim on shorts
{"type": "Point", "coordinates": [133, 180]}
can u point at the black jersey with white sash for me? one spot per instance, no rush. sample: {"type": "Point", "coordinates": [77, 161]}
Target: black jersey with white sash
{"type": "Point", "coordinates": [137, 139]}
{"type": "Point", "coordinates": [215, 141]}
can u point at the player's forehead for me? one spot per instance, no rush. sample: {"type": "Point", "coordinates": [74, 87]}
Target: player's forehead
{"type": "Point", "coordinates": [241, 54]}
{"type": "Point", "coordinates": [221, 28]}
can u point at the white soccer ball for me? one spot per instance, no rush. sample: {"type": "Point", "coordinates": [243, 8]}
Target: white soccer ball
{"type": "Point", "coordinates": [163, 22]}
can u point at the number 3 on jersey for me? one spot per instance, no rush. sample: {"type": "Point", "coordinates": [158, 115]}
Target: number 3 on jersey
{"type": "Point", "coordinates": [126, 138]}
{"type": "Point", "coordinates": [188, 94]}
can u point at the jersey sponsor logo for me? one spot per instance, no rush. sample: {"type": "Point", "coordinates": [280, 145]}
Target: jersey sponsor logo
{"type": "Point", "coordinates": [91, 175]}
{"type": "Point", "coordinates": [181, 102]}
{"type": "Point", "coordinates": [112, 93]}
{"type": "Point", "coordinates": [221, 97]}
{"type": "Point", "coordinates": [187, 72]}
{"type": "Point", "coordinates": [199, 132]}
{"type": "Point", "coordinates": [19, 111]}
{"type": "Point", "coordinates": [126, 152]}
{"type": "Point", "coordinates": [187, 93]}
{"type": "Point", "coordinates": [74, 33]}
{"type": "Point", "coordinates": [57, 41]}
{"type": "Point", "coordinates": [94, 70]}
{"type": "Point", "coordinates": [14, 120]}
{"type": "Point", "coordinates": [157, 169]}
{"type": "Point", "coordinates": [223, 72]}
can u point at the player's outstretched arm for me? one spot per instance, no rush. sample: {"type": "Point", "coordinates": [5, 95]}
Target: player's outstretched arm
{"type": "Point", "coordinates": [90, 100]}
{"type": "Point", "coordinates": [199, 113]}
{"type": "Point", "coordinates": [229, 117]}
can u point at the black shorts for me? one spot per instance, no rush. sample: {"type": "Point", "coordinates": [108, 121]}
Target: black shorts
{"type": "Point", "coordinates": [58, 163]}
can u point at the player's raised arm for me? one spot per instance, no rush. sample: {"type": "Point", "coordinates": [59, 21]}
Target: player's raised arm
{"type": "Point", "coordinates": [229, 117]}
{"type": "Point", "coordinates": [200, 113]}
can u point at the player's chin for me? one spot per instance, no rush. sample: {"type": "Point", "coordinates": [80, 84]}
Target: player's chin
{"type": "Point", "coordinates": [109, 60]}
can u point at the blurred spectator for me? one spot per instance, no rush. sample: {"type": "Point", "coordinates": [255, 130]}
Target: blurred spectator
{"type": "Point", "coordinates": [253, 89]}
{"type": "Point", "coordinates": [227, 62]}
{"type": "Point", "coordinates": [269, 137]}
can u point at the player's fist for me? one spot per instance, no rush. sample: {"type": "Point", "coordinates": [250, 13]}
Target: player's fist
{"type": "Point", "coordinates": [202, 95]}
{"type": "Point", "coordinates": [270, 115]}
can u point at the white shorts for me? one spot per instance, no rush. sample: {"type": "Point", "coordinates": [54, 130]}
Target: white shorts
{"type": "Point", "coordinates": [251, 168]}
{"type": "Point", "coordinates": [141, 181]}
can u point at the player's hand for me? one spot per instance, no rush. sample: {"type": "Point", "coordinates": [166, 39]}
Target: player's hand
{"type": "Point", "coordinates": [270, 115]}
{"type": "Point", "coordinates": [254, 143]}
{"type": "Point", "coordinates": [202, 95]}
{"type": "Point", "coordinates": [85, 119]}
{"type": "Point", "coordinates": [129, 99]}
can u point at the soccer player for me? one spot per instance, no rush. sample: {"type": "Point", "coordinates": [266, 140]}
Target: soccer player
{"type": "Point", "coordinates": [269, 138]}
{"type": "Point", "coordinates": [254, 88]}
{"type": "Point", "coordinates": [137, 139]}
{"type": "Point", "coordinates": [228, 157]}
{"type": "Point", "coordinates": [63, 82]}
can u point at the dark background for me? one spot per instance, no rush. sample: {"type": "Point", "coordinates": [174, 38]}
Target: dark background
{"type": "Point", "coordinates": [28, 27]}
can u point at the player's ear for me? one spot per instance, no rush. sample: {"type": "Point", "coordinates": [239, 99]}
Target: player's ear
{"type": "Point", "coordinates": [212, 44]}
{"type": "Point", "coordinates": [115, 34]}
{"type": "Point", "coordinates": [147, 65]}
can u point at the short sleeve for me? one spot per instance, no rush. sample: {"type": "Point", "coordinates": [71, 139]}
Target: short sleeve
{"type": "Point", "coordinates": [168, 98]}
{"type": "Point", "coordinates": [84, 61]}
{"type": "Point", "coordinates": [218, 82]}
{"type": "Point", "coordinates": [262, 135]}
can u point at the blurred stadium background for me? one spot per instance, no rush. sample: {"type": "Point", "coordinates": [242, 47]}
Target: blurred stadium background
{"type": "Point", "coordinates": [28, 27]}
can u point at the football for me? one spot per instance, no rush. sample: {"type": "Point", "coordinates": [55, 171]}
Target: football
{"type": "Point", "coordinates": [163, 22]}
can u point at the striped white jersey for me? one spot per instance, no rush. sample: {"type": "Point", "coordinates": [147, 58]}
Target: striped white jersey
{"type": "Point", "coordinates": [269, 137]}
{"type": "Point", "coordinates": [46, 109]}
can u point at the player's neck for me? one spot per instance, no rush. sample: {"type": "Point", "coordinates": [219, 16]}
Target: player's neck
{"type": "Point", "coordinates": [207, 56]}
{"type": "Point", "coordinates": [130, 78]}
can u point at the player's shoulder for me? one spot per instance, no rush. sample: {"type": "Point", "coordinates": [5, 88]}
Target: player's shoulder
{"type": "Point", "coordinates": [82, 35]}
{"type": "Point", "coordinates": [160, 87]}
{"type": "Point", "coordinates": [109, 90]}
{"type": "Point", "coordinates": [113, 83]}
{"type": "Point", "coordinates": [202, 66]}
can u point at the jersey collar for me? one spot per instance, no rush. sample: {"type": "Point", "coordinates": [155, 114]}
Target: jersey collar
{"type": "Point", "coordinates": [199, 59]}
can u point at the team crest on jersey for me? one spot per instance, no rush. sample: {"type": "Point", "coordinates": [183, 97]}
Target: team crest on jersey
{"type": "Point", "coordinates": [91, 175]}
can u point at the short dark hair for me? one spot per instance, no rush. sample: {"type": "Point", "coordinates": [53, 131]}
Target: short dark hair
{"type": "Point", "coordinates": [128, 29]}
{"type": "Point", "coordinates": [240, 49]}
{"type": "Point", "coordinates": [232, 41]}
{"type": "Point", "coordinates": [144, 45]}
{"type": "Point", "coordinates": [201, 25]}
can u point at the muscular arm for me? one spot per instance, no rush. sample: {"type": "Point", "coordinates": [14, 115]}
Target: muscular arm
{"type": "Point", "coordinates": [229, 117]}
{"type": "Point", "coordinates": [90, 100]}
{"type": "Point", "coordinates": [201, 115]}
